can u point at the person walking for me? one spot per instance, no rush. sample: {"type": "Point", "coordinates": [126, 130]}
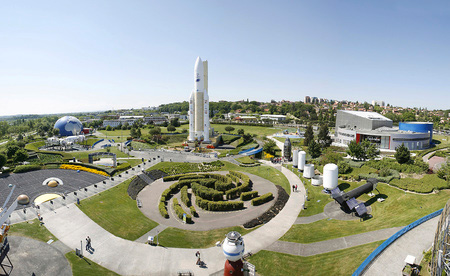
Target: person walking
{"type": "Point", "coordinates": [197, 254]}
{"type": "Point", "coordinates": [88, 243]}
{"type": "Point", "coordinates": [293, 188]}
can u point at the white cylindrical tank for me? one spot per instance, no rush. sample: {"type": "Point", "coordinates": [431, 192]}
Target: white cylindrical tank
{"type": "Point", "coordinates": [295, 159]}
{"type": "Point", "coordinates": [308, 171]}
{"type": "Point", "coordinates": [317, 180]}
{"type": "Point", "coordinates": [330, 176]}
{"type": "Point", "coordinates": [233, 246]}
{"type": "Point", "coordinates": [301, 160]}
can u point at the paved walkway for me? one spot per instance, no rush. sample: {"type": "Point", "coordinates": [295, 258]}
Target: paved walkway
{"type": "Point", "coordinates": [310, 249]}
{"type": "Point", "coordinates": [414, 242]}
{"type": "Point", "coordinates": [70, 225]}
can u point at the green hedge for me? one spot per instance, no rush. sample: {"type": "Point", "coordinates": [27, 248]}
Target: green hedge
{"type": "Point", "coordinates": [262, 199]}
{"type": "Point", "coordinates": [249, 195]}
{"type": "Point", "coordinates": [26, 168]}
{"type": "Point", "coordinates": [180, 212]}
{"type": "Point", "coordinates": [194, 176]}
{"type": "Point", "coordinates": [178, 176]}
{"type": "Point", "coordinates": [219, 205]}
{"type": "Point", "coordinates": [185, 197]}
{"type": "Point", "coordinates": [163, 210]}
{"type": "Point", "coordinates": [193, 211]}
{"type": "Point", "coordinates": [207, 182]}
{"type": "Point", "coordinates": [207, 193]}
{"type": "Point", "coordinates": [246, 185]}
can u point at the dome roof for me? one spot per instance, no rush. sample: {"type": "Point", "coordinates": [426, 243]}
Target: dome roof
{"type": "Point", "coordinates": [52, 183]}
{"type": "Point", "coordinates": [69, 126]}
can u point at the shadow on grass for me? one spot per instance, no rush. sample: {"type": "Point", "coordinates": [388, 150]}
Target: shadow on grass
{"type": "Point", "coordinates": [374, 199]}
{"type": "Point", "coordinates": [343, 186]}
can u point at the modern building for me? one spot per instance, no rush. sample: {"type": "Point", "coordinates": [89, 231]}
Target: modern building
{"type": "Point", "coordinates": [69, 126]}
{"type": "Point", "coordinates": [374, 127]}
{"type": "Point", "coordinates": [199, 104]}
{"type": "Point", "coordinates": [273, 117]}
{"type": "Point", "coordinates": [307, 99]}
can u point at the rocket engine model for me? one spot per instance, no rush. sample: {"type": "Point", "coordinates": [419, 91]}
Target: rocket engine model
{"type": "Point", "coordinates": [233, 249]}
{"type": "Point", "coordinates": [199, 104]}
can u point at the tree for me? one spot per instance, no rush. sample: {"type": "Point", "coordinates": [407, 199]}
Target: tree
{"type": "Point", "coordinates": [229, 129]}
{"type": "Point", "coordinates": [314, 149]}
{"type": "Point", "coordinates": [309, 135]}
{"type": "Point", "coordinates": [354, 150]}
{"type": "Point", "coordinates": [269, 147]}
{"type": "Point", "coordinates": [155, 131]}
{"type": "Point", "coordinates": [2, 160]}
{"type": "Point", "coordinates": [108, 128]}
{"type": "Point", "coordinates": [20, 155]}
{"type": "Point", "coordinates": [241, 131]}
{"type": "Point", "coordinates": [138, 132]}
{"type": "Point", "coordinates": [370, 150]}
{"type": "Point", "coordinates": [19, 137]}
{"type": "Point", "coordinates": [175, 122]}
{"type": "Point", "coordinates": [444, 172]}
{"type": "Point", "coordinates": [402, 154]}
{"type": "Point", "coordinates": [323, 137]}
{"type": "Point", "coordinates": [247, 137]}
{"type": "Point", "coordinates": [11, 149]}
{"type": "Point", "coordinates": [171, 128]}
{"type": "Point", "coordinates": [133, 132]}
{"type": "Point", "coordinates": [56, 132]}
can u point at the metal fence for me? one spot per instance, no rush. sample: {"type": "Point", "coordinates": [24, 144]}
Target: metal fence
{"type": "Point", "coordinates": [440, 259]}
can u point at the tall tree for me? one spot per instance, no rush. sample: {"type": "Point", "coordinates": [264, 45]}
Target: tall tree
{"type": "Point", "coordinates": [309, 135]}
{"type": "Point", "coordinates": [20, 155]}
{"type": "Point", "coordinates": [314, 149]}
{"type": "Point", "coordinates": [323, 137]}
{"type": "Point", "coordinates": [402, 154]}
{"type": "Point", "coordinates": [269, 147]}
{"type": "Point", "coordinates": [2, 160]}
{"type": "Point", "coordinates": [354, 150]}
{"type": "Point", "coordinates": [229, 129]}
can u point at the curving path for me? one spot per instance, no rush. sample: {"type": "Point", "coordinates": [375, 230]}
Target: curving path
{"type": "Point", "coordinates": [70, 225]}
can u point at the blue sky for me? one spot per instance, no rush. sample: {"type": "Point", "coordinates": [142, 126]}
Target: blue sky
{"type": "Point", "coordinates": [63, 56]}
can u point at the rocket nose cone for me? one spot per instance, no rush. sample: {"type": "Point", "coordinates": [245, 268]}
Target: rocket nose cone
{"type": "Point", "coordinates": [198, 64]}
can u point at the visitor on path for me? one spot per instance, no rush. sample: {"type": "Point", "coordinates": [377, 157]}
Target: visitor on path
{"type": "Point", "coordinates": [293, 188]}
{"type": "Point", "coordinates": [88, 243]}
{"type": "Point", "coordinates": [296, 186]}
{"type": "Point", "coordinates": [197, 254]}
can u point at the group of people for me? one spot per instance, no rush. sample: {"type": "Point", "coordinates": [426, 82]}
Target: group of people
{"type": "Point", "coordinates": [277, 160]}
{"type": "Point", "coordinates": [294, 187]}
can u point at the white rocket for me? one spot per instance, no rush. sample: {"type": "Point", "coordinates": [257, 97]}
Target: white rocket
{"type": "Point", "coordinates": [199, 104]}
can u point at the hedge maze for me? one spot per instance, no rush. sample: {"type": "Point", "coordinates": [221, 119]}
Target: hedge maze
{"type": "Point", "coordinates": [213, 192]}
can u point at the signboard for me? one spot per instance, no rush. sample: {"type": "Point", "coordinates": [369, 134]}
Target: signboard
{"type": "Point", "coordinates": [373, 139]}
{"type": "Point", "coordinates": [184, 218]}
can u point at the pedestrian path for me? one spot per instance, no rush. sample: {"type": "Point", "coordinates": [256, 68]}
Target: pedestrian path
{"type": "Point", "coordinates": [70, 225]}
{"type": "Point", "coordinates": [392, 260]}
{"type": "Point", "coordinates": [310, 219]}
{"type": "Point", "coordinates": [310, 249]}
{"type": "Point", "coordinates": [155, 231]}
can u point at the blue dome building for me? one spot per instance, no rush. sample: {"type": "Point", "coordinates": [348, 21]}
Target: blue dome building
{"type": "Point", "coordinates": [420, 127]}
{"type": "Point", "coordinates": [69, 126]}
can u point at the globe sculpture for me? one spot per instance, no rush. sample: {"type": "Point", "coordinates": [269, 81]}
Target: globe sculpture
{"type": "Point", "coordinates": [69, 126]}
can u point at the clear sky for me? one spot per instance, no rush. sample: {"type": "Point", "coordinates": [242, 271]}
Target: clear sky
{"type": "Point", "coordinates": [71, 56]}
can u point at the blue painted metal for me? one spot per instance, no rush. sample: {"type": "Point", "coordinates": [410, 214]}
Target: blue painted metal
{"type": "Point", "coordinates": [254, 151]}
{"type": "Point", "coordinates": [97, 142]}
{"type": "Point", "coordinates": [393, 238]}
{"type": "Point", "coordinates": [424, 127]}
{"type": "Point", "coordinates": [247, 150]}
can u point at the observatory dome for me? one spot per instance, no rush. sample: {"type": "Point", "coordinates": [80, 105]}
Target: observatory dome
{"type": "Point", "coordinates": [69, 126]}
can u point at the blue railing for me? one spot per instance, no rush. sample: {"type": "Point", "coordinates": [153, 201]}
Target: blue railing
{"type": "Point", "coordinates": [127, 142]}
{"type": "Point", "coordinates": [247, 150]}
{"type": "Point", "coordinates": [389, 241]}
{"type": "Point", "coordinates": [97, 142]}
{"type": "Point", "coordinates": [254, 151]}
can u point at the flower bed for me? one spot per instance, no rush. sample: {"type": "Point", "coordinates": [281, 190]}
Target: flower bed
{"type": "Point", "coordinates": [82, 168]}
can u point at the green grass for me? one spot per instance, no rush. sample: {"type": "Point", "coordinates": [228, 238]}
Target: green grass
{"type": "Point", "coordinates": [86, 267]}
{"type": "Point", "coordinates": [117, 213]}
{"type": "Point", "coordinates": [132, 161]}
{"type": "Point", "coordinates": [84, 155]}
{"type": "Point", "coordinates": [399, 209]}
{"type": "Point", "coordinates": [228, 139]}
{"type": "Point", "coordinates": [35, 146]}
{"type": "Point", "coordinates": [31, 229]}
{"type": "Point", "coordinates": [245, 160]}
{"type": "Point", "coordinates": [260, 131]}
{"type": "Point", "coordinates": [426, 184]}
{"type": "Point", "coordinates": [50, 158]}
{"type": "Point", "coordinates": [340, 262]}
{"type": "Point", "coordinates": [174, 237]}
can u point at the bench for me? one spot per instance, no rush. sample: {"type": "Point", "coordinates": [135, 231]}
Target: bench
{"type": "Point", "coordinates": [139, 203]}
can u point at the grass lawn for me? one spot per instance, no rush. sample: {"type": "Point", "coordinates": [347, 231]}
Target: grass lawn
{"type": "Point", "coordinates": [35, 146]}
{"type": "Point", "coordinates": [399, 209]}
{"type": "Point", "coordinates": [340, 262]}
{"type": "Point", "coordinates": [132, 161]}
{"type": "Point", "coordinates": [245, 160]}
{"type": "Point", "coordinates": [84, 155]}
{"type": "Point", "coordinates": [86, 267]}
{"type": "Point", "coordinates": [426, 184]}
{"type": "Point", "coordinates": [143, 146]}
{"type": "Point", "coordinates": [117, 213]}
{"type": "Point", "coordinates": [31, 229]}
{"type": "Point", "coordinates": [174, 237]}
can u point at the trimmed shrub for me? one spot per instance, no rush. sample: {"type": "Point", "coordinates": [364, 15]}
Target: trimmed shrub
{"type": "Point", "coordinates": [26, 168]}
{"type": "Point", "coordinates": [236, 192]}
{"type": "Point", "coordinates": [194, 176]}
{"type": "Point", "coordinates": [222, 186]}
{"type": "Point", "coordinates": [163, 210]}
{"type": "Point", "coordinates": [206, 193]}
{"type": "Point", "coordinates": [262, 199]}
{"type": "Point", "coordinates": [193, 211]}
{"type": "Point", "coordinates": [180, 212]}
{"type": "Point", "coordinates": [185, 196]}
{"type": "Point", "coordinates": [249, 195]}
{"type": "Point", "coordinates": [179, 176]}
{"type": "Point", "coordinates": [207, 182]}
{"type": "Point", "coordinates": [219, 205]}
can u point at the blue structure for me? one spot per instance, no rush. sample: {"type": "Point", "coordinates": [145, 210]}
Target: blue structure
{"type": "Point", "coordinates": [69, 126]}
{"type": "Point", "coordinates": [421, 127]}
